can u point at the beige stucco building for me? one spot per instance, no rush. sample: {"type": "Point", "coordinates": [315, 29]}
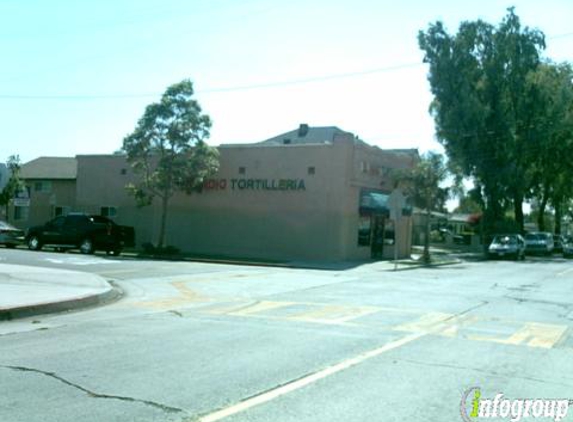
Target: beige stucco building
{"type": "Point", "coordinates": [309, 194]}
{"type": "Point", "coordinates": [51, 190]}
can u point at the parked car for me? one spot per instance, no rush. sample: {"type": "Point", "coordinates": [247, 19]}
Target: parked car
{"type": "Point", "coordinates": [507, 246]}
{"type": "Point", "coordinates": [568, 247]}
{"type": "Point", "coordinates": [10, 236]}
{"type": "Point", "coordinates": [558, 243]}
{"type": "Point", "coordinates": [87, 233]}
{"type": "Point", "coordinates": [539, 243]}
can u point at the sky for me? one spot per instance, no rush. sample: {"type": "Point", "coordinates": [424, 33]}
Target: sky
{"type": "Point", "coordinates": [75, 76]}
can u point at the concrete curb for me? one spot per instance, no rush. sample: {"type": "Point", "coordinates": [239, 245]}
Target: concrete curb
{"type": "Point", "coordinates": [81, 302]}
{"type": "Point", "coordinates": [224, 261]}
{"type": "Point", "coordinates": [303, 265]}
{"type": "Point", "coordinates": [416, 266]}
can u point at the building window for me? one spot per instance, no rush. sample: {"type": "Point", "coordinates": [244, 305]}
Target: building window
{"type": "Point", "coordinates": [364, 167]}
{"type": "Point", "coordinates": [43, 186]}
{"type": "Point", "coordinates": [242, 170]}
{"type": "Point", "coordinates": [21, 213]}
{"type": "Point", "coordinates": [61, 210]}
{"type": "Point", "coordinates": [286, 141]}
{"type": "Point", "coordinates": [108, 212]}
{"type": "Point", "coordinates": [311, 170]}
{"type": "Point", "coordinates": [123, 172]}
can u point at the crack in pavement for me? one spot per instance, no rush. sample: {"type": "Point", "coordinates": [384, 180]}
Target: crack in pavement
{"type": "Point", "coordinates": [163, 407]}
{"type": "Point", "coordinates": [540, 302]}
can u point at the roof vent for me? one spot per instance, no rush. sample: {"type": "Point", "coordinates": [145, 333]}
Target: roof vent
{"type": "Point", "coordinates": [302, 130]}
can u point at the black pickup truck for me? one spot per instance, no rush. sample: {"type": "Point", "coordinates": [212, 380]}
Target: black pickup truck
{"type": "Point", "coordinates": [87, 233]}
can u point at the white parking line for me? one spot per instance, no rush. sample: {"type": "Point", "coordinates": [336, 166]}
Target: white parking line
{"type": "Point", "coordinates": [309, 379]}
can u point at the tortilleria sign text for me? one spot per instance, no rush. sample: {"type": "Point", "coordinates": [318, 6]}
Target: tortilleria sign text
{"type": "Point", "coordinates": [255, 184]}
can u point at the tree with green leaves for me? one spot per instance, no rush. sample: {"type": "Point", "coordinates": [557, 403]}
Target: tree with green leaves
{"type": "Point", "coordinates": [482, 107]}
{"type": "Point", "coordinates": [14, 183]}
{"type": "Point", "coordinates": [167, 150]}
{"type": "Point", "coordinates": [552, 167]}
{"type": "Point", "coordinates": [422, 184]}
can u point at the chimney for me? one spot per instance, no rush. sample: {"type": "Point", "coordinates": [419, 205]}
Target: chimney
{"type": "Point", "coordinates": [302, 130]}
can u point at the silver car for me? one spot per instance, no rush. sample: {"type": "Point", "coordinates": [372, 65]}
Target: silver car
{"type": "Point", "coordinates": [507, 246]}
{"type": "Point", "coordinates": [10, 235]}
{"type": "Point", "coordinates": [539, 243]}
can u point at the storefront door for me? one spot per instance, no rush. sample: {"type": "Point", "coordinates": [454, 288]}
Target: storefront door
{"type": "Point", "coordinates": [377, 245]}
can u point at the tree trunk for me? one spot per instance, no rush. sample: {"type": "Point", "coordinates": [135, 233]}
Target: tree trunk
{"type": "Point", "coordinates": [426, 256]}
{"type": "Point", "coordinates": [518, 209]}
{"type": "Point", "coordinates": [164, 203]}
{"type": "Point", "coordinates": [558, 216]}
{"type": "Point", "coordinates": [493, 212]}
{"type": "Point", "coordinates": [541, 216]}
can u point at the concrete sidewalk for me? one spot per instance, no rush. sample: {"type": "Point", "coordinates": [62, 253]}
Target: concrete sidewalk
{"type": "Point", "coordinates": [28, 291]}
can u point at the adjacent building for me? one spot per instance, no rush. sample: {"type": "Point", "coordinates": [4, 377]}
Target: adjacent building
{"type": "Point", "coordinates": [50, 190]}
{"type": "Point", "coordinates": [309, 194]}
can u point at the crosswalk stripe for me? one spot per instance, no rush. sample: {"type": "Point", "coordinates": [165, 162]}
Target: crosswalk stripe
{"type": "Point", "coordinates": [425, 323]}
{"type": "Point", "coordinates": [538, 335]}
{"type": "Point", "coordinates": [333, 314]}
{"type": "Point", "coordinates": [261, 306]}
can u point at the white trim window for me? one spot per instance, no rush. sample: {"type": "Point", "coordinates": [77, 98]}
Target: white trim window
{"type": "Point", "coordinates": [61, 210]}
{"type": "Point", "coordinates": [108, 211]}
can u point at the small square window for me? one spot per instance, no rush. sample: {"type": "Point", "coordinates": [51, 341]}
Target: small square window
{"type": "Point", "coordinates": [286, 141]}
{"type": "Point", "coordinates": [123, 172]}
{"type": "Point", "coordinates": [242, 170]}
{"type": "Point", "coordinates": [311, 170]}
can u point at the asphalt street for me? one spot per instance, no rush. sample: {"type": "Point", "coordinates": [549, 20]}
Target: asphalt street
{"type": "Point", "coordinates": [207, 342]}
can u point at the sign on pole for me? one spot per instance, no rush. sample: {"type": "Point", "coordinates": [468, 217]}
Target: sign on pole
{"type": "Point", "coordinates": [396, 202]}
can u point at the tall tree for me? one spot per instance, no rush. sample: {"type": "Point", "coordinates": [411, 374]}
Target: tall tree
{"type": "Point", "coordinates": [14, 184]}
{"type": "Point", "coordinates": [552, 167]}
{"type": "Point", "coordinates": [480, 107]}
{"type": "Point", "coordinates": [423, 185]}
{"type": "Point", "coordinates": [167, 150]}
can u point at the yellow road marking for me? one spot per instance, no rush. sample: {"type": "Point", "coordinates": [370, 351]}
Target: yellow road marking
{"type": "Point", "coordinates": [260, 307]}
{"type": "Point", "coordinates": [224, 309]}
{"type": "Point", "coordinates": [424, 323]}
{"type": "Point", "coordinates": [309, 379]}
{"type": "Point", "coordinates": [539, 335]}
{"type": "Point", "coordinates": [334, 314]}
{"type": "Point", "coordinates": [454, 325]}
{"type": "Point", "coordinates": [186, 295]}
{"type": "Point", "coordinates": [531, 334]}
